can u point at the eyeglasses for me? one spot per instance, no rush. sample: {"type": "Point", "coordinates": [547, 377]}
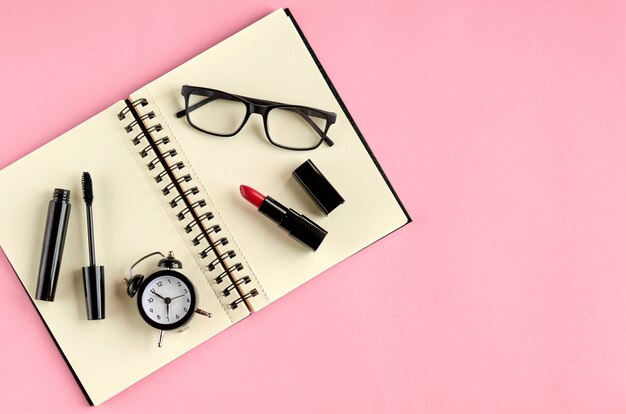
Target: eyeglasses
{"type": "Point", "coordinates": [224, 114]}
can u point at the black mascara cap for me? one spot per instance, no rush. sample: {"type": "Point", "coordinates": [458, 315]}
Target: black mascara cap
{"type": "Point", "coordinates": [318, 187]}
{"type": "Point", "coordinates": [57, 220]}
{"type": "Point", "coordinates": [93, 280]}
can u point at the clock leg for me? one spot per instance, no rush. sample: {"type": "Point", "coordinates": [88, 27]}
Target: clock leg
{"type": "Point", "coordinates": [160, 338]}
{"type": "Point", "coordinates": [202, 312]}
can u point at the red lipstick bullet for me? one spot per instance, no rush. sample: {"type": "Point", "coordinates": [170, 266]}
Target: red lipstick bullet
{"type": "Point", "coordinates": [297, 225]}
{"type": "Point", "coordinates": [253, 196]}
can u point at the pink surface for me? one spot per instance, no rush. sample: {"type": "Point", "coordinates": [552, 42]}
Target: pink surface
{"type": "Point", "coordinates": [504, 135]}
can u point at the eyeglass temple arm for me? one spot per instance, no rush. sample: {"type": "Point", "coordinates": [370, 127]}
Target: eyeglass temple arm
{"type": "Point", "coordinates": [195, 106]}
{"type": "Point", "coordinates": [304, 116]}
{"type": "Point", "coordinates": [313, 125]}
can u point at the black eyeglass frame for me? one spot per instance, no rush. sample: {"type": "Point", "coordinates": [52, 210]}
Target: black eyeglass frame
{"type": "Point", "coordinates": [261, 107]}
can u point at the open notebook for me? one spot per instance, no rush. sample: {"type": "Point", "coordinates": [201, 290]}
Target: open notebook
{"type": "Point", "coordinates": [134, 217]}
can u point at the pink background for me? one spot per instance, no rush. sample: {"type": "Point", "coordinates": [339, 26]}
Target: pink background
{"type": "Point", "coordinates": [504, 133]}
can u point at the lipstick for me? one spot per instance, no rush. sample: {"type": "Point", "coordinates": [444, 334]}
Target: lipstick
{"type": "Point", "coordinates": [297, 225]}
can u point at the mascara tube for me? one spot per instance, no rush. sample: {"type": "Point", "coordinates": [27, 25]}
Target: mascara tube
{"type": "Point", "coordinates": [53, 242]}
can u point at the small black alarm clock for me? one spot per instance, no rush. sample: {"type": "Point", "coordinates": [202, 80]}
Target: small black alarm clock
{"type": "Point", "coordinates": [166, 299]}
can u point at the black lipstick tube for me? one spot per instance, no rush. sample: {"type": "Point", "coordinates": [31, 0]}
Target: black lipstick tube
{"type": "Point", "coordinates": [297, 225]}
{"type": "Point", "coordinates": [53, 242]}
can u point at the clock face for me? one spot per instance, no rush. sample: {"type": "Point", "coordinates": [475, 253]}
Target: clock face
{"type": "Point", "coordinates": [167, 300]}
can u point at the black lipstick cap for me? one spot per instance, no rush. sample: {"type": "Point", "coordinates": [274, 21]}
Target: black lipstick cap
{"type": "Point", "coordinates": [93, 281]}
{"type": "Point", "coordinates": [318, 187]}
{"type": "Point", "coordinates": [53, 243]}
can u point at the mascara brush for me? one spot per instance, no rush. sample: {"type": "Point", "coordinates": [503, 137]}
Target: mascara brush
{"type": "Point", "coordinates": [88, 197]}
{"type": "Point", "coordinates": [93, 276]}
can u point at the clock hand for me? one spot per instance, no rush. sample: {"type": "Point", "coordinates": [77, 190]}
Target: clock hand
{"type": "Point", "coordinates": [167, 310]}
{"type": "Point", "coordinates": [179, 296]}
{"type": "Point", "coordinates": [154, 292]}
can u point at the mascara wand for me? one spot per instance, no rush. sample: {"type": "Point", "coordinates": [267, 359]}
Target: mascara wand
{"type": "Point", "coordinates": [93, 276]}
{"type": "Point", "coordinates": [88, 197]}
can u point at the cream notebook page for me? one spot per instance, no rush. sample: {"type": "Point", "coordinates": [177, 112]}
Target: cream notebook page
{"type": "Point", "coordinates": [269, 60]}
{"type": "Point", "coordinates": [130, 221]}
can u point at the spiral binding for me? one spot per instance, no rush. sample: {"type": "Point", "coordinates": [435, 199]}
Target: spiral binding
{"type": "Point", "coordinates": [220, 242]}
{"type": "Point", "coordinates": [234, 304]}
{"type": "Point", "coordinates": [220, 258]}
{"type": "Point", "coordinates": [171, 153]}
{"type": "Point", "coordinates": [185, 178]}
{"type": "Point", "coordinates": [236, 267]}
{"type": "Point", "coordinates": [213, 229]}
{"type": "Point", "coordinates": [206, 216]}
{"type": "Point", "coordinates": [144, 152]}
{"type": "Point", "coordinates": [192, 191]}
{"type": "Point", "coordinates": [183, 201]}
{"type": "Point", "coordinates": [153, 128]}
{"type": "Point", "coordinates": [136, 122]}
{"type": "Point", "coordinates": [138, 102]}
{"type": "Point", "coordinates": [178, 166]}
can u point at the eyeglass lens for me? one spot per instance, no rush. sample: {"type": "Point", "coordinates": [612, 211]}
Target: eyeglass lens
{"type": "Point", "coordinates": [217, 115]}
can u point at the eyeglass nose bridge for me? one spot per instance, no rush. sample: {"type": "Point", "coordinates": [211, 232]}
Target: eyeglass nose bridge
{"type": "Point", "coordinates": [258, 109]}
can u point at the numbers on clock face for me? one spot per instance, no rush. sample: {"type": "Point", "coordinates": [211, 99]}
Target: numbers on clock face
{"type": "Point", "coordinates": [166, 299]}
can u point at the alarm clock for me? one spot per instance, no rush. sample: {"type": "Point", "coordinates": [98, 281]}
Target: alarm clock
{"type": "Point", "coordinates": [166, 299]}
